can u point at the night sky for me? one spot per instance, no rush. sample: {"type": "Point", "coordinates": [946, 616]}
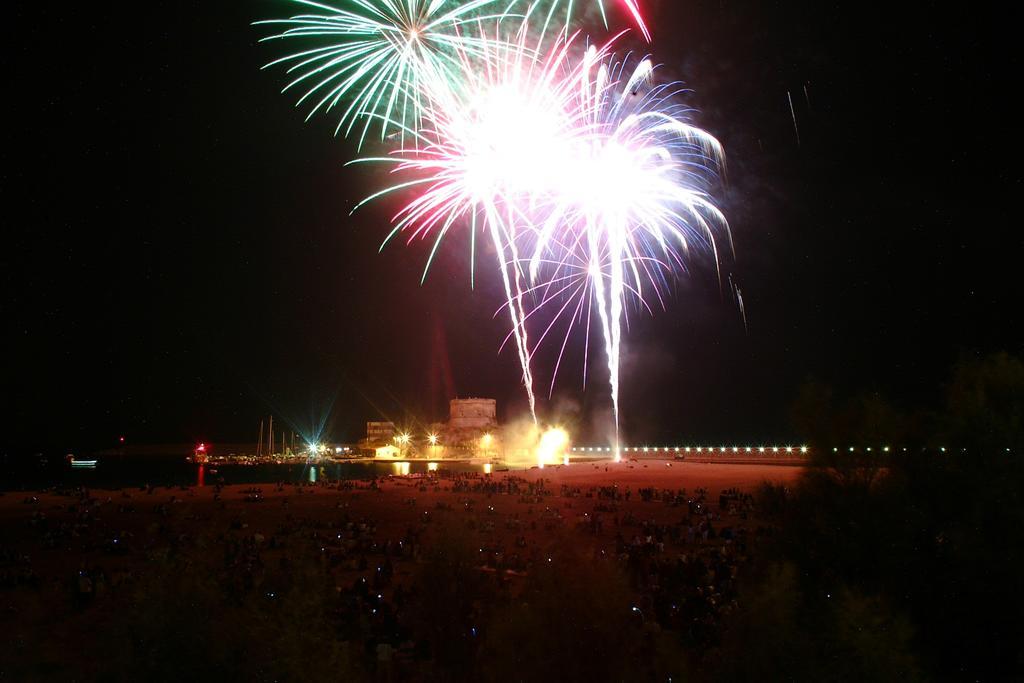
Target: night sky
{"type": "Point", "coordinates": [179, 260]}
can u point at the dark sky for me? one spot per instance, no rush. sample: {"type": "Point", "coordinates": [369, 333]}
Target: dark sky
{"type": "Point", "coordinates": [179, 260]}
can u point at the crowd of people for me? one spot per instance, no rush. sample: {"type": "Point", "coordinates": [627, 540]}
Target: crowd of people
{"type": "Point", "coordinates": [681, 553]}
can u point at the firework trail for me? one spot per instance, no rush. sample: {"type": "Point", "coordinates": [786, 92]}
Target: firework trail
{"type": "Point", "coordinates": [792, 112]}
{"type": "Point", "coordinates": [738, 296]}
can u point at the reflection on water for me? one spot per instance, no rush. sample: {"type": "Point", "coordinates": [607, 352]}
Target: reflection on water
{"type": "Point", "coordinates": [401, 469]}
{"type": "Point", "coordinates": [312, 474]}
{"type": "Point", "coordinates": [115, 472]}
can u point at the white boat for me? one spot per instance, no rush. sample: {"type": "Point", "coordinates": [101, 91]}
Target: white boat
{"type": "Point", "coordinates": [81, 464]}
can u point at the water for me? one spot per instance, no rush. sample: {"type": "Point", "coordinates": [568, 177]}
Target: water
{"type": "Point", "coordinates": [30, 473]}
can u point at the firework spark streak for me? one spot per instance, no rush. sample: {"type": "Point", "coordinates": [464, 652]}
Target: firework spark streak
{"type": "Point", "coordinates": [555, 10]}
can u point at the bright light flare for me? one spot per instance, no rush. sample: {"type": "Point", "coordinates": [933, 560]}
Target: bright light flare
{"type": "Point", "coordinates": [552, 448]}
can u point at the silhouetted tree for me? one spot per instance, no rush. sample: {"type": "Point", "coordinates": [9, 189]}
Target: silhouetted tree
{"type": "Point", "coordinates": [848, 440]}
{"type": "Point", "coordinates": [789, 630]}
{"type": "Point", "coordinates": [985, 404]}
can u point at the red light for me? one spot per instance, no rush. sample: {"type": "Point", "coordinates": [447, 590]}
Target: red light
{"type": "Point", "coordinates": [202, 447]}
{"type": "Point", "coordinates": [121, 439]}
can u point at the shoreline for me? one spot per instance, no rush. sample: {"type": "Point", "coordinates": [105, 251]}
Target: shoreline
{"type": "Point", "coordinates": [580, 470]}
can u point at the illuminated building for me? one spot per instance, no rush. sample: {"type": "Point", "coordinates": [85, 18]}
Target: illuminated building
{"type": "Point", "coordinates": [379, 433]}
{"type": "Point", "coordinates": [472, 413]}
{"type": "Point", "coordinates": [469, 420]}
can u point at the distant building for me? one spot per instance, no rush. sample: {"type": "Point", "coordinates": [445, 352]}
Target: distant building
{"type": "Point", "coordinates": [472, 413]}
{"type": "Point", "coordinates": [472, 427]}
{"type": "Point", "coordinates": [469, 420]}
{"type": "Point", "coordinates": [380, 432]}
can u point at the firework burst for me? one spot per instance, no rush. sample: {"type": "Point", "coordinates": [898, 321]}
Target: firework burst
{"type": "Point", "coordinates": [369, 59]}
{"type": "Point", "coordinates": [584, 174]}
{"type": "Point", "coordinates": [489, 151]}
{"type": "Point", "coordinates": [636, 200]}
